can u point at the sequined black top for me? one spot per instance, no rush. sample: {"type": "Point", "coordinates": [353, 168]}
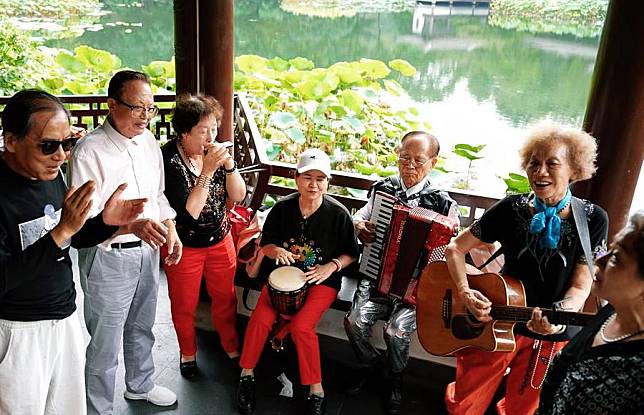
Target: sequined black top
{"type": "Point", "coordinates": [213, 223]}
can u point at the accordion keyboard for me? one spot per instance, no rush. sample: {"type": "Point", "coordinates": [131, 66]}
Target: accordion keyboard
{"type": "Point", "coordinates": [383, 206]}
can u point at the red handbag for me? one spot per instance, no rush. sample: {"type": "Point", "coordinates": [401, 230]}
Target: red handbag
{"type": "Point", "coordinates": [239, 217]}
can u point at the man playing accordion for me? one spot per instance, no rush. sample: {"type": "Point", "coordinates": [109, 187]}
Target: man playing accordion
{"type": "Point", "coordinates": [417, 156]}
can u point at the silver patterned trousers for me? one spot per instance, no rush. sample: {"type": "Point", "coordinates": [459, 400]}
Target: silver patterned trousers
{"type": "Point", "coordinates": [400, 324]}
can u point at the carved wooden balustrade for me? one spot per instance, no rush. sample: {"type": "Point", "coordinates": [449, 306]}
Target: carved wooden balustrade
{"type": "Point", "coordinates": [88, 111]}
{"type": "Point", "coordinates": [259, 170]}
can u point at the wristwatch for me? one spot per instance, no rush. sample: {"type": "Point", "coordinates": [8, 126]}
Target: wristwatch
{"type": "Point", "coordinates": [231, 170]}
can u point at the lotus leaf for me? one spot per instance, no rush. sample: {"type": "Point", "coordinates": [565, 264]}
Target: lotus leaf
{"type": "Point", "coordinates": [352, 99]}
{"type": "Point", "coordinates": [250, 63]}
{"type": "Point", "coordinates": [402, 66]}
{"type": "Point", "coordinates": [301, 63]}
{"type": "Point", "coordinates": [70, 63]}
{"type": "Point", "coordinates": [295, 134]}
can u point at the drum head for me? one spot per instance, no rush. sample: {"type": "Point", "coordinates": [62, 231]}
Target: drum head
{"type": "Point", "coordinates": [287, 279]}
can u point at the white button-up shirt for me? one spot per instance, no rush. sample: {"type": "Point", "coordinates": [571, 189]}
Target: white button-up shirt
{"type": "Point", "coordinates": [109, 158]}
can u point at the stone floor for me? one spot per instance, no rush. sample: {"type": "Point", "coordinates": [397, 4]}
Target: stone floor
{"type": "Point", "coordinates": [213, 391]}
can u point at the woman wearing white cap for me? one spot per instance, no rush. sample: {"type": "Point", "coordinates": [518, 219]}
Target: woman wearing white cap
{"type": "Point", "coordinates": [312, 231]}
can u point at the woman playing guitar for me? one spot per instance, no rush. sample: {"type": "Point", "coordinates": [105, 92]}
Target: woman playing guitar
{"type": "Point", "coordinates": [542, 249]}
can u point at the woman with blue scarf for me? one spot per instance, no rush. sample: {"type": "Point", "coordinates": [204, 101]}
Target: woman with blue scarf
{"type": "Point", "coordinates": [542, 248]}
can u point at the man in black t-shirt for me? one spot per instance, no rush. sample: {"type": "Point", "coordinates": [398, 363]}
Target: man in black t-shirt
{"type": "Point", "coordinates": [41, 343]}
{"type": "Point", "coordinates": [418, 155]}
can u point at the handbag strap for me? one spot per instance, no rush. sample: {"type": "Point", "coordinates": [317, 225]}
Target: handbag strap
{"type": "Point", "coordinates": [582, 230]}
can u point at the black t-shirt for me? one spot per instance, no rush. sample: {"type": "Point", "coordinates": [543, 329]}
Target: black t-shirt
{"type": "Point", "coordinates": [545, 273]}
{"type": "Point", "coordinates": [35, 274]}
{"type": "Point", "coordinates": [326, 234]}
{"type": "Point", "coordinates": [606, 379]}
{"type": "Point", "coordinates": [213, 224]}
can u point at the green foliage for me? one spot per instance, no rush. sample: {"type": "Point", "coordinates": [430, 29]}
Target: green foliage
{"type": "Point", "coordinates": [470, 153]}
{"type": "Point", "coordinates": [86, 71]}
{"type": "Point", "coordinates": [516, 184]}
{"type": "Point", "coordinates": [582, 18]}
{"type": "Point", "coordinates": [51, 18]}
{"type": "Point", "coordinates": [348, 110]}
{"type": "Point", "coordinates": [50, 9]}
{"type": "Point", "coordinates": [15, 52]}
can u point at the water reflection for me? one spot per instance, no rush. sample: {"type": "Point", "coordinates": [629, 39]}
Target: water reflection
{"type": "Point", "coordinates": [475, 83]}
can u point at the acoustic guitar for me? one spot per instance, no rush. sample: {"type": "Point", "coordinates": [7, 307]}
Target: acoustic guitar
{"type": "Point", "coordinates": [446, 326]}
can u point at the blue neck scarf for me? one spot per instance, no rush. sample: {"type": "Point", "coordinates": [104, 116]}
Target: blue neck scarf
{"type": "Point", "coordinates": [547, 223]}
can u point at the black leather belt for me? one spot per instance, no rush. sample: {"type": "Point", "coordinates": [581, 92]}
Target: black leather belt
{"type": "Point", "coordinates": [126, 245]}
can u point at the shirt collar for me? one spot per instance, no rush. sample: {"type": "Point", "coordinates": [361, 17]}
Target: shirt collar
{"type": "Point", "coordinates": [119, 140]}
{"type": "Point", "coordinates": [416, 188]}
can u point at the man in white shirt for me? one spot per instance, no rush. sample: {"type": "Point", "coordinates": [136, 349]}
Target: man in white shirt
{"type": "Point", "coordinates": [417, 156]}
{"type": "Point", "coordinates": [120, 277]}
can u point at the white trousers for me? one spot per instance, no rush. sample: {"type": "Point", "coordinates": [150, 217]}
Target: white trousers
{"type": "Point", "coordinates": [41, 367]}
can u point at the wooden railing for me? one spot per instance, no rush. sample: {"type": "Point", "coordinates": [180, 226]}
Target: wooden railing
{"type": "Point", "coordinates": [259, 171]}
{"type": "Point", "coordinates": [88, 111]}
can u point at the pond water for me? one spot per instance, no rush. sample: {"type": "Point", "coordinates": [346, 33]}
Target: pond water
{"type": "Point", "coordinates": [475, 83]}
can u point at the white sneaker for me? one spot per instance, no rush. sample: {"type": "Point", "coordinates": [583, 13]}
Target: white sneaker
{"type": "Point", "coordinates": [159, 396]}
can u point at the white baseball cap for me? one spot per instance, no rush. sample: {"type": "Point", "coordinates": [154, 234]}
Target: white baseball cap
{"type": "Point", "coordinates": [314, 159]}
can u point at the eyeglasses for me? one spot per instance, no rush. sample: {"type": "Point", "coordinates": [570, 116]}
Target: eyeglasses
{"type": "Point", "coordinates": [410, 161]}
{"type": "Point", "coordinates": [137, 110]}
{"type": "Point", "coordinates": [49, 147]}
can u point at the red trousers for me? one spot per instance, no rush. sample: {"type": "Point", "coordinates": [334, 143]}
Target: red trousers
{"type": "Point", "coordinates": [302, 327]}
{"type": "Point", "coordinates": [217, 265]}
{"type": "Point", "coordinates": [479, 373]}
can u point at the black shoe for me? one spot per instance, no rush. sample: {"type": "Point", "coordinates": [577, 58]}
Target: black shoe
{"type": "Point", "coordinates": [316, 405]}
{"type": "Point", "coordinates": [188, 369]}
{"type": "Point", "coordinates": [246, 395]}
{"type": "Point", "coordinates": [395, 394]}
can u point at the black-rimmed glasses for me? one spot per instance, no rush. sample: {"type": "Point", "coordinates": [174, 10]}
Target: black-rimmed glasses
{"type": "Point", "coordinates": [138, 110]}
{"type": "Point", "coordinates": [48, 146]}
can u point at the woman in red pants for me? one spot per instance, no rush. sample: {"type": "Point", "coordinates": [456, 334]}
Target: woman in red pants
{"type": "Point", "coordinates": [199, 175]}
{"type": "Point", "coordinates": [314, 232]}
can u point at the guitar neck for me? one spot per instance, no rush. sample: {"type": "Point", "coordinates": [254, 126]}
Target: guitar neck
{"type": "Point", "coordinates": [524, 314]}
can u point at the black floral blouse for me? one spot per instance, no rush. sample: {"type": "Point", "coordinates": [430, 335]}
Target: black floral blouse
{"type": "Point", "coordinates": [213, 223]}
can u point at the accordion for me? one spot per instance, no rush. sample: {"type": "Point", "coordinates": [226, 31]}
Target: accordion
{"type": "Point", "coordinates": [407, 239]}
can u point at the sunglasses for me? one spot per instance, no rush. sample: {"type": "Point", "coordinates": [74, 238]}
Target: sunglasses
{"type": "Point", "coordinates": [49, 147]}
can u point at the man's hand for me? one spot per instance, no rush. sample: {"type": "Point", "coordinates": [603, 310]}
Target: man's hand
{"type": "Point", "coordinates": [477, 304]}
{"type": "Point", "coordinates": [76, 207]}
{"type": "Point", "coordinates": [150, 231]}
{"type": "Point", "coordinates": [366, 231]}
{"type": "Point", "coordinates": [175, 247]}
{"type": "Point", "coordinates": [121, 212]}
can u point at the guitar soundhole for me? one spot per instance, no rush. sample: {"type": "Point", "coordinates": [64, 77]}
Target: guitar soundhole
{"type": "Point", "coordinates": [466, 327]}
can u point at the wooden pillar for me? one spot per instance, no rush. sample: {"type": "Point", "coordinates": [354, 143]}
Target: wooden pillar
{"type": "Point", "coordinates": [186, 52]}
{"type": "Point", "coordinates": [204, 52]}
{"type": "Point", "coordinates": [615, 112]}
{"type": "Point", "coordinates": [216, 41]}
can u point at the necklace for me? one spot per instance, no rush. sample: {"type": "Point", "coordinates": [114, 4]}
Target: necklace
{"type": "Point", "coordinates": [619, 338]}
{"type": "Point", "coordinates": [183, 150]}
